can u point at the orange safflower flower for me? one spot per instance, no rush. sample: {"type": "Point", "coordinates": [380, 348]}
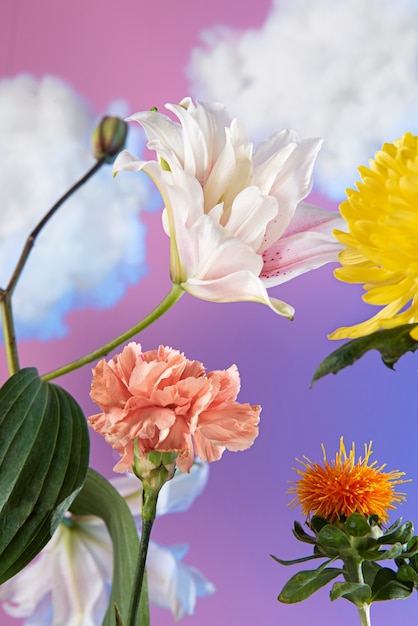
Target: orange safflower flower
{"type": "Point", "coordinates": [344, 486]}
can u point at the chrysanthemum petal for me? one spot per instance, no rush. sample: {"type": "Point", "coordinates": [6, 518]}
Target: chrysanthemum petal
{"type": "Point", "coordinates": [382, 219]}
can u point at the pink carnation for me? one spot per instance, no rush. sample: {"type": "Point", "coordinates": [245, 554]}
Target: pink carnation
{"type": "Point", "coordinates": [168, 403]}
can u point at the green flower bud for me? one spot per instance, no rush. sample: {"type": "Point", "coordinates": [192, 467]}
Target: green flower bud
{"type": "Point", "coordinates": [154, 469]}
{"type": "Point", "coordinates": [109, 138]}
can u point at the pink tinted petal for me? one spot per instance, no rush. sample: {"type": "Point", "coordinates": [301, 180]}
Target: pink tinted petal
{"type": "Point", "coordinates": [125, 161]}
{"type": "Point", "coordinates": [194, 143]}
{"type": "Point", "coordinates": [126, 361]}
{"type": "Point", "coordinates": [177, 437]}
{"type": "Point", "coordinates": [213, 118]}
{"type": "Point", "coordinates": [232, 172]}
{"type": "Point", "coordinates": [239, 286]}
{"type": "Point", "coordinates": [308, 245]}
{"type": "Point", "coordinates": [205, 449]}
{"type": "Point", "coordinates": [250, 198]}
{"type": "Point", "coordinates": [161, 131]}
{"type": "Point", "coordinates": [276, 143]}
{"type": "Point", "coordinates": [185, 457]}
{"type": "Point", "coordinates": [308, 218]}
{"type": "Point", "coordinates": [250, 214]}
{"type": "Point", "coordinates": [296, 255]}
{"type": "Point", "coordinates": [234, 427]}
{"type": "Point", "coordinates": [222, 254]}
{"type": "Point", "coordinates": [227, 385]}
{"type": "Point", "coordinates": [106, 386]}
{"type": "Point", "coordinates": [292, 183]}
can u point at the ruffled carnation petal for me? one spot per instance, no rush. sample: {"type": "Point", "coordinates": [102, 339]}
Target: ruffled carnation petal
{"type": "Point", "coordinates": [172, 406]}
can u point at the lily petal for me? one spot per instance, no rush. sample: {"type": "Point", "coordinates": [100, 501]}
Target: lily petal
{"type": "Point", "coordinates": [234, 217]}
{"type": "Point", "coordinates": [307, 244]}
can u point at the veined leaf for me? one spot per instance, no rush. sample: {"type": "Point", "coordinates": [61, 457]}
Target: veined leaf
{"type": "Point", "coordinates": [99, 498]}
{"type": "Point", "coordinates": [392, 344]}
{"type": "Point", "coordinates": [357, 593]}
{"type": "Point", "coordinates": [305, 583]}
{"type": "Point", "coordinates": [386, 586]}
{"type": "Point", "coordinates": [44, 452]}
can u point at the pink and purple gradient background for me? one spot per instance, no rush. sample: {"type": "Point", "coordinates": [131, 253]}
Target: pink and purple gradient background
{"type": "Point", "coordinates": [138, 51]}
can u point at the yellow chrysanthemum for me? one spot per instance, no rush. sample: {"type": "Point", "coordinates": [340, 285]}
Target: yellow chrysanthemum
{"type": "Point", "coordinates": [345, 486]}
{"type": "Point", "coordinates": [382, 242]}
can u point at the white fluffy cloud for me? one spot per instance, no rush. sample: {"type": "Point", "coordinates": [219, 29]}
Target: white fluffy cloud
{"type": "Point", "coordinates": [94, 245]}
{"type": "Point", "coordinates": [345, 70]}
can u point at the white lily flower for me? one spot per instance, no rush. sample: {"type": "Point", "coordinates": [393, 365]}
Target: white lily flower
{"type": "Point", "coordinates": [69, 582]}
{"type": "Point", "coordinates": [234, 217]}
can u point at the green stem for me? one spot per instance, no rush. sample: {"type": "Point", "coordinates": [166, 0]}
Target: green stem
{"type": "Point", "coordinates": [31, 239]}
{"type": "Point", "coordinates": [6, 294]}
{"type": "Point", "coordinates": [171, 298]}
{"type": "Point", "coordinates": [9, 333]}
{"type": "Point", "coordinates": [364, 613]}
{"type": "Point", "coordinates": [149, 506]}
{"type": "Point", "coordinates": [355, 574]}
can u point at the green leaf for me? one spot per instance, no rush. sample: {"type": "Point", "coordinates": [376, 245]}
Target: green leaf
{"type": "Point", "coordinates": [370, 569]}
{"type": "Point", "coordinates": [99, 498]}
{"type": "Point", "coordinates": [357, 525]}
{"type": "Point", "coordinates": [44, 452]}
{"type": "Point", "coordinates": [402, 534]}
{"type": "Point", "coordinates": [392, 344]}
{"type": "Point", "coordinates": [411, 551]}
{"type": "Point", "coordinates": [406, 573]}
{"type": "Point", "coordinates": [305, 583]}
{"type": "Point", "coordinates": [301, 534]}
{"type": "Point", "coordinates": [332, 537]}
{"type": "Point", "coordinates": [357, 593]}
{"type": "Point", "coordinates": [382, 555]}
{"type": "Point", "coordinates": [386, 586]}
{"type": "Point", "coordinates": [303, 559]}
{"type": "Point", "coordinates": [318, 522]}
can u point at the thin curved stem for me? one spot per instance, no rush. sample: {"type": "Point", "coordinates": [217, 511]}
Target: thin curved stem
{"type": "Point", "coordinates": [31, 239]}
{"type": "Point", "coordinates": [171, 298]}
{"type": "Point", "coordinates": [6, 294]}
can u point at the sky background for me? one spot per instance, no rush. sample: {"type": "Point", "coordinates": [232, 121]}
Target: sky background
{"type": "Point", "coordinates": [141, 52]}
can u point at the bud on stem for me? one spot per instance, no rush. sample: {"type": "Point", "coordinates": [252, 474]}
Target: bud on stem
{"type": "Point", "coordinates": [109, 138]}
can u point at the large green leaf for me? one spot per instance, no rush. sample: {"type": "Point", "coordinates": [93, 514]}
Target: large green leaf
{"type": "Point", "coordinates": [386, 586]}
{"type": "Point", "coordinates": [99, 498]}
{"type": "Point", "coordinates": [44, 452]}
{"type": "Point", "coordinates": [357, 593]}
{"type": "Point", "coordinates": [305, 583]}
{"type": "Point", "coordinates": [392, 344]}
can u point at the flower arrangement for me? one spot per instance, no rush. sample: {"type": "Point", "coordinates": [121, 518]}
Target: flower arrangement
{"type": "Point", "coordinates": [237, 225]}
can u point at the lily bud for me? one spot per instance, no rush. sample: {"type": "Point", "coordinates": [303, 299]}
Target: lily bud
{"type": "Point", "coordinates": [109, 138]}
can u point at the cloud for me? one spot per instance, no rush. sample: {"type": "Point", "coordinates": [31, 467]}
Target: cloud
{"type": "Point", "coordinates": [345, 70]}
{"type": "Point", "coordinates": [94, 246]}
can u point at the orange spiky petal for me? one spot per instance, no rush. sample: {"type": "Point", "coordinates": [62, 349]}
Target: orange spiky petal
{"type": "Point", "coordinates": [344, 486]}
